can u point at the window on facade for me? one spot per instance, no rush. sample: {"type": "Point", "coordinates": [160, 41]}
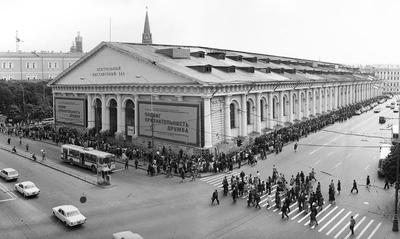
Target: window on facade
{"type": "Point", "coordinates": [284, 106]}
{"type": "Point", "coordinates": [55, 65]}
{"type": "Point", "coordinates": [49, 65]}
{"type": "Point", "coordinates": [27, 65]}
{"type": "Point", "coordinates": [232, 115]}
{"type": "Point", "coordinates": [4, 65]}
{"type": "Point", "coordinates": [10, 65]}
{"type": "Point", "coordinates": [33, 65]}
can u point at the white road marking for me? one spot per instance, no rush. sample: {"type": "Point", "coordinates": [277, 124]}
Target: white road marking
{"type": "Point", "coordinates": [8, 192]}
{"type": "Point", "coordinates": [337, 165]}
{"type": "Point", "coordinates": [308, 214]}
{"type": "Point", "coordinates": [333, 218]}
{"type": "Point", "coordinates": [345, 226]}
{"type": "Point", "coordinates": [362, 232]}
{"type": "Point", "coordinates": [317, 162]}
{"type": "Point", "coordinates": [357, 225]}
{"type": "Point", "coordinates": [374, 231]}
{"type": "Point", "coordinates": [348, 155]}
{"type": "Point", "coordinates": [319, 214]}
{"type": "Point", "coordinates": [117, 170]}
{"type": "Point", "coordinates": [338, 223]}
{"type": "Point", "coordinates": [330, 141]}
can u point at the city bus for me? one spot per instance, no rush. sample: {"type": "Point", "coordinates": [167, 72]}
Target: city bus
{"type": "Point", "coordinates": [383, 154]}
{"type": "Point", "coordinates": [87, 157]}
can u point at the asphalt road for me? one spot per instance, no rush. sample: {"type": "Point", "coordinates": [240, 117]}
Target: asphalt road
{"type": "Point", "coordinates": [157, 207]}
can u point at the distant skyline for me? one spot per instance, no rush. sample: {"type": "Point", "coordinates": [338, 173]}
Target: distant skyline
{"type": "Point", "coordinates": [341, 31]}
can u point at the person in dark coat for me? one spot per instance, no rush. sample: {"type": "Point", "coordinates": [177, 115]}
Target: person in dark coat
{"type": "Point", "coordinates": [368, 182]}
{"type": "Point", "coordinates": [215, 197]}
{"type": "Point", "coordinates": [339, 187]}
{"type": "Point", "coordinates": [354, 187]}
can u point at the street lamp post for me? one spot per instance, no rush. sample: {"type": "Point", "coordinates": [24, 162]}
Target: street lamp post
{"type": "Point", "coordinates": [395, 219]}
{"type": "Point", "coordinates": [152, 117]}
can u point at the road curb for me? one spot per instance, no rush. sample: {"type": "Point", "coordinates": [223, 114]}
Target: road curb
{"type": "Point", "coordinates": [52, 167]}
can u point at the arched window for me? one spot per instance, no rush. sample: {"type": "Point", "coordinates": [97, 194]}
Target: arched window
{"type": "Point", "coordinates": [129, 119]}
{"type": "Point", "coordinates": [97, 115]}
{"type": "Point", "coordinates": [248, 106]}
{"type": "Point", "coordinates": [113, 116]}
{"type": "Point", "coordinates": [275, 106]}
{"type": "Point", "coordinates": [232, 115]}
{"type": "Point", "coordinates": [262, 105]}
{"type": "Point", "coordinates": [284, 105]}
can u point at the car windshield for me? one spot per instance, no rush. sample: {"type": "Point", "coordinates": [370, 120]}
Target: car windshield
{"type": "Point", "coordinates": [28, 186]}
{"type": "Point", "coordinates": [73, 213]}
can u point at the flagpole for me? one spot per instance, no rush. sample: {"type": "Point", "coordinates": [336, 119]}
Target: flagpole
{"type": "Point", "coordinates": [16, 42]}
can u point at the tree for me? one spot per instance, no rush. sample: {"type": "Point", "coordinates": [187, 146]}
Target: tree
{"type": "Point", "coordinates": [389, 164]}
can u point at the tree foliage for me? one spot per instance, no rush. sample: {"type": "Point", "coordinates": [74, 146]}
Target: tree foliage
{"type": "Point", "coordinates": [23, 101]}
{"type": "Point", "coordinates": [389, 164]}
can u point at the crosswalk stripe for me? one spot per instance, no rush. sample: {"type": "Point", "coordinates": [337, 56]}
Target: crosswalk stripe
{"type": "Point", "coordinates": [212, 179]}
{"type": "Point", "coordinates": [329, 213]}
{"type": "Point", "coordinates": [298, 214]}
{"type": "Point", "coordinates": [308, 214]}
{"type": "Point", "coordinates": [293, 204]}
{"type": "Point", "coordinates": [319, 214]}
{"type": "Point", "coordinates": [293, 211]}
{"type": "Point", "coordinates": [345, 226]}
{"type": "Point", "coordinates": [365, 228]}
{"type": "Point", "coordinates": [338, 223]}
{"type": "Point", "coordinates": [374, 231]}
{"type": "Point", "coordinates": [357, 225]}
{"type": "Point", "coordinates": [333, 218]}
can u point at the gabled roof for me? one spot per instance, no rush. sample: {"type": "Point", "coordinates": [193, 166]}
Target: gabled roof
{"type": "Point", "coordinates": [215, 66]}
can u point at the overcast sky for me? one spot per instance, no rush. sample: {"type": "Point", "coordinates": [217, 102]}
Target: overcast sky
{"type": "Point", "coordinates": [343, 31]}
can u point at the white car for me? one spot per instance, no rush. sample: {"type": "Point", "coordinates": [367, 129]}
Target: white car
{"type": "Point", "coordinates": [27, 189]}
{"type": "Point", "coordinates": [69, 215]}
{"type": "Point", "coordinates": [377, 110]}
{"type": "Point", "coordinates": [396, 110]}
{"type": "Point", "coordinates": [126, 235]}
{"type": "Point", "coordinates": [358, 112]}
{"type": "Point", "coordinates": [9, 174]}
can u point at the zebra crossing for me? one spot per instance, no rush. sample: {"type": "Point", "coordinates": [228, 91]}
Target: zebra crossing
{"type": "Point", "coordinates": [332, 220]}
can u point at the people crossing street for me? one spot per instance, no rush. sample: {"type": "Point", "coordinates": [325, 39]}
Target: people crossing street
{"type": "Point", "coordinates": [354, 187]}
{"type": "Point", "coordinates": [352, 224]}
{"type": "Point", "coordinates": [214, 197]}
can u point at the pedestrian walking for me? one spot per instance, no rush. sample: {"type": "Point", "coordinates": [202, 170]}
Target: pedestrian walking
{"type": "Point", "coordinates": [27, 147]}
{"type": "Point", "coordinates": [295, 147]}
{"type": "Point", "coordinates": [136, 163]}
{"type": "Point", "coordinates": [352, 224]}
{"type": "Point", "coordinates": [339, 187]}
{"type": "Point", "coordinates": [126, 163]}
{"type": "Point", "coordinates": [14, 150]}
{"type": "Point", "coordinates": [9, 141]}
{"type": "Point", "coordinates": [354, 186]}
{"type": "Point", "coordinates": [386, 184]}
{"type": "Point", "coordinates": [20, 140]}
{"type": "Point", "coordinates": [214, 197]}
{"type": "Point", "coordinates": [43, 154]}
{"type": "Point", "coordinates": [284, 211]}
{"type": "Point", "coordinates": [368, 182]}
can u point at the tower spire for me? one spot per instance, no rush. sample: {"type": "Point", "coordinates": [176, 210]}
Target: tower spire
{"type": "Point", "coordinates": [146, 36]}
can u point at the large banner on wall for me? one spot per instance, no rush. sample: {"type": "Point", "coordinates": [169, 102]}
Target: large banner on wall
{"type": "Point", "coordinates": [70, 111]}
{"type": "Point", "coordinates": [171, 121]}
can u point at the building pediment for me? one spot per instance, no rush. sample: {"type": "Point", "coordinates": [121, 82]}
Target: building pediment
{"type": "Point", "coordinates": [108, 65]}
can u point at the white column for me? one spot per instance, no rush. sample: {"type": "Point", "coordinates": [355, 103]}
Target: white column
{"type": "Point", "coordinates": [105, 125]}
{"type": "Point", "coordinates": [336, 98]}
{"type": "Point", "coordinates": [90, 113]}
{"type": "Point", "coordinates": [244, 115]}
{"type": "Point", "coordinates": [120, 126]}
{"type": "Point", "coordinates": [299, 102]}
{"type": "Point", "coordinates": [307, 109]}
{"type": "Point", "coordinates": [320, 100]}
{"type": "Point", "coordinates": [281, 103]}
{"type": "Point", "coordinates": [136, 115]}
{"type": "Point", "coordinates": [291, 103]}
{"type": "Point", "coordinates": [326, 99]}
{"type": "Point", "coordinates": [227, 118]}
{"type": "Point", "coordinates": [207, 122]}
{"type": "Point", "coordinates": [270, 122]}
{"type": "Point", "coordinates": [351, 94]}
{"type": "Point", "coordinates": [258, 113]}
{"type": "Point", "coordinates": [314, 98]}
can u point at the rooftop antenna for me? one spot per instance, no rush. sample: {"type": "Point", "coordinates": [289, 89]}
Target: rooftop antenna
{"type": "Point", "coordinates": [17, 41]}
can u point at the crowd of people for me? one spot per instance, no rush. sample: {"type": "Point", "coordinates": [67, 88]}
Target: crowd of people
{"type": "Point", "coordinates": [178, 162]}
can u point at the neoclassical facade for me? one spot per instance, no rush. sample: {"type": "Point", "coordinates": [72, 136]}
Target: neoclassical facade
{"type": "Point", "coordinates": [198, 96]}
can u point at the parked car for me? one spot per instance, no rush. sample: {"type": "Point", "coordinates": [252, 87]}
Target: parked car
{"type": "Point", "coordinates": [382, 120]}
{"type": "Point", "coordinates": [9, 174]}
{"type": "Point", "coordinates": [126, 235]}
{"type": "Point", "coordinates": [27, 189]}
{"type": "Point", "coordinates": [377, 110]}
{"type": "Point", "coordinates": [69, 215]}
{"type": "Point", "coordinates": [396, 110]}
{"type": "Point", "coordinates": [358, 112]}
